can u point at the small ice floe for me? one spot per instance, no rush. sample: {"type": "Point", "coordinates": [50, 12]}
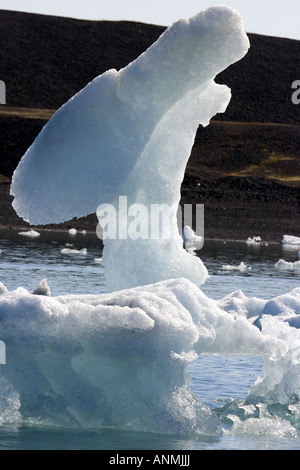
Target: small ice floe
{"type": "Point", "coordinates": [191, 241]}
{"type": "Point", "coordinates": [30, 233]}
{"type": "Point", "coordinates": [72, 251]}
{"type": "Point", "coordinates": [42, 289]}
{"type": "Point", "coordinates": [253, 241]}
{"type": "Point", "coordinates": [98, 260]}
{"type": "Point", "coordinates": [74, 231]}
{"type": "Point", "coordinates": [3, 289]}
{"type": "Point", "coordinates": [241, 267]}
{"type": "Point", "coordinates": [290, 240]}
{"type": "Point", "coordinates": [189, 235]}
{"type": "Point", "coordinates": [287, 265]}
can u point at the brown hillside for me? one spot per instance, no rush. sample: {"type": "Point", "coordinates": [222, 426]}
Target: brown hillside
{"type": "Point", "coordinates": [46, 59]}
{"type": "Point", "coordinates": [244, 167]}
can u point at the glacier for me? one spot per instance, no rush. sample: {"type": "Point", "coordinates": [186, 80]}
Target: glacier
{"type": "Point", "coordinates": [119, 359]}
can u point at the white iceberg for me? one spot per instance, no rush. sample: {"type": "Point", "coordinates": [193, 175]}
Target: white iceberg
{"type": "Point", "coordinates": [42, 289]}
{"type": "Point", "coordinates": [189, 235]}
{"type": "Point", "coordinates": [30, 233]}
{"type": "Point", "coordinates": [290, 240]}
{"type": "Point", "coordinates": [118, 359]}
{"type": "Point", "coordinates": [191, 241]}
{"type": "Point", "coordinates": [3, 288]}
{"type": "Point", "coordinates": [74, 251]}
{"type": "Point", "coordinates": [129, 133]}
{"type": "Point", "coordinates": [287, 265]}
{"type": "Point", "coordinates": [242, 267]}
{"type": "Point", "coordinates": [254, 240]}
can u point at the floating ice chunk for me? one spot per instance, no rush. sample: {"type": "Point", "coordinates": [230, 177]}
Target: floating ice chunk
{"type": "Point", "coordinates": [282, 264]}
{"type": "Point", "coordinates": [191, 241]}
{"type": "Point", "coordinates": [3, 288]}
{"type": "Point", "coordinates": [242, 267]}
{"type": "Point", "coordinates": [189, 234]}
{"type": "Point", "coordinates": [98, 260]}
{"type": "Point", "coordinates": [42, 289]}
{"type": "Point", "coordinates": [287, 265]}
{"type": "Point", "coordinates": [73, 251]}
{"type": "Point", "coordinates": [253, 241]}
{"type": "Point", "coordinates": [130, 132]}
{"type": "Point", "coordinates": [290, 240]}
{"type": "Point", "coordinates": [74, 231]}
{"type": "Point", "coordinates": [30, 233]}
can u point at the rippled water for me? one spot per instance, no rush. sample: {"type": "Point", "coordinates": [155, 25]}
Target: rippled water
{"type": "Point", "coordinates": [217, 380]}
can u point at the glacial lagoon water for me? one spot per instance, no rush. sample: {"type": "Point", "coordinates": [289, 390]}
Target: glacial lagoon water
{"type": "Point", "coordinates": [219, 381]}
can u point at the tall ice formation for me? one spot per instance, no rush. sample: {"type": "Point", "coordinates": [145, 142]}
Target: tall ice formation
{"type": "Point", "coordinates": [129, 133]}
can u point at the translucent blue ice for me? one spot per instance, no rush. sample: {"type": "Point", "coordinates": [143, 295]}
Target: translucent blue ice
{"type": "Point", "coordinates": [130, 133]}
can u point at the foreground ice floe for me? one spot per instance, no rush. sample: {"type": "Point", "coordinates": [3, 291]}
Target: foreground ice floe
{"type": "Point", "coordinates": [118, 359]}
